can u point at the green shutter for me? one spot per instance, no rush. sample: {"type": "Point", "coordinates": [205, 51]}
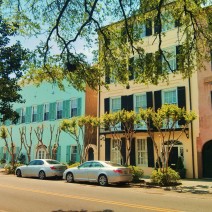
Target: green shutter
{"type": "Point", "coordinates": [28, 114]}
{"type": "Point", "coordinates": [59, 153]}
{"type": "Point", "coordinates": [79, 107]}
{"type": "Point", "coordinates": [40, 113]}
{"type": "Point", "coordinates": [52, 111]}
{"type": "Point", "coordinates": [68, 151]}
{"type": "Point", "coordinates": [66, 109]}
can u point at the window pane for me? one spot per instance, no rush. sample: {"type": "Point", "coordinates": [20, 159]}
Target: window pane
{"type": "Point", "coordinates": [170, 97]}
{"type": "Point", "coordinates": [73, 107]}
{"type": "Point", "coordinates": [142, 152]}
{"type": "Point", "coordinates": [116, 104]}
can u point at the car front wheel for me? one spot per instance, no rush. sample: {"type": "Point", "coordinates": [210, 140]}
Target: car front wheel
{"type": "Point", "coordinates": [42, 175]}
{"type": "Point", "coordinates": [18, 173]}
{"type": "Point", "coordinates": [103, 180]}
{"type": "Point", "coordinates": [70, 178]}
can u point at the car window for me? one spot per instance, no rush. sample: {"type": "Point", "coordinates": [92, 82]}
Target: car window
{"type": "Point", "coordinates": [96, 164]}
{"type": "Point", "coordinates": [52, 162]}
{"type": "Point", "coordinates": [85, 165]}
{"type": "Point", "coordinates": [33, 162]}
{"type": "Point", "coordinates": [39, 162]}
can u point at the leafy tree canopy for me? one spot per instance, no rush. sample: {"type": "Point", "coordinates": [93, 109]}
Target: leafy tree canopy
{"type": "Point", "coordinates": [66, 21]}
{"type": "Point", "coordinates": [12, 59]}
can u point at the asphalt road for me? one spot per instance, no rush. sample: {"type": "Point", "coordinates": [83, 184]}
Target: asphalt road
{"type": "Point", "coordinates": [34, 195]}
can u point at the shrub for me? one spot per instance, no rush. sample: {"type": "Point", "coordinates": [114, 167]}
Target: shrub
{"type": "Point", "coordinates": [2, 161]}
{"type": "Point", "coordinates": [11, 170]}
{"type": "Point", "coordinates": [180, 168]}
{"type": "Point", "coordinates": [22, 158]}
{"type": "Point", "coordinates": [137, 173]}
{"type": "Point", "coordinates": [170, 177]}
{"type": "Point", "coordinates": [74, 165]}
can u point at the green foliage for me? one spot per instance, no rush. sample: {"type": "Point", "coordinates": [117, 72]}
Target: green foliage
{"type": "Point", "coordinates": [22, 158]}
{"type": "Point", "coordinates": [2, 161]}
{"type": "Point", "coordinates": [11, 170]}
{"type": "Point", "coordinates": [180, 168]}
{"type": "Point", "coordinates": [137, 173]}
{"type": "Point", "coordinates": [165, 178]}
{"type": "Point", "coordinates": [3, 132]}
{"type": "Point", "coordinates": [13, 60]}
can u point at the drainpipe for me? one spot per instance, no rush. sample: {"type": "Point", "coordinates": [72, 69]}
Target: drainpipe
{"type": "Point", "coordinates": [192, 136]}
{"type": "Point", "coordinates": [98, 134]}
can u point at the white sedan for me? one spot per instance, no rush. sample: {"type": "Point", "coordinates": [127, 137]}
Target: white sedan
{"type": "Point", "coordinates": [41, 168]}
{"type": "Point", "coordinates": [102, 172]}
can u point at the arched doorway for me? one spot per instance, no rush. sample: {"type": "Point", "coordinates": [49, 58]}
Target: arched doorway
{"type": "Point", "coordinates": [207, 159]}
{"type": "Point", "coordinates": [90, 154]}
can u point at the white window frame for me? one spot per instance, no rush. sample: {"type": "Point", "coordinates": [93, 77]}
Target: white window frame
{"type": "Point", "coordinates": [173, 102]}
{"type": "Point", "coordinates": [141, 152]}
{"type": "Point", "coordinates": [34, 113]}
{"type": "Point", "coordinates": [136, 108]}
{"type": "Point", "coordinates": [168, 22]}
{"type": "Point", "coordinates": [169, 90]}
{"type": "Point", "coordinates": [140, 28]}
{"type": "Point", "coordinates": [73, 105]}
{"type": "Point", "coordinates": [115, 152]}
{"type": "Point", "coordinates": [59, 109]}
{"type": "Point", "coordinates": [73, 154]}
{"type": "Point", "coordinates": [41, 154]}
{"type": "Point", "coordinates": [171, 56]}
{"type": "Point", "coordinates": [118, 126]}
{"type": "Point", "coordinates": [46, 112]}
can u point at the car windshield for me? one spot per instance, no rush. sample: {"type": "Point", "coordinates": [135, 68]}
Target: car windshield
{"type": "Point", "coordinates": [52, 162]}
{"type": "Point", "coordinates": [113, 164]}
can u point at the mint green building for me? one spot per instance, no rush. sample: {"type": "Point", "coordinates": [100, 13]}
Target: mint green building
{"type": "Point", "coordinates": [40, 116]}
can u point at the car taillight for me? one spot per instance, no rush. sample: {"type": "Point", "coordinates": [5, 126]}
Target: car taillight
{"type": "Point", "coordinates": [118, 171]}
{"type": "Point", "coordinates": [52, 167]}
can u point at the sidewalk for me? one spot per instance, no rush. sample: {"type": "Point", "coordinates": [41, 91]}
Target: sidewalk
{"type": "Point", "coordinates": [196, 186]}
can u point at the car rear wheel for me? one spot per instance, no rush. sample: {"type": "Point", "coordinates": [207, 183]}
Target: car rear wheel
{"type": "Point", "coordinates": [102, 180]}
{"type": "Point", "coordinates": [70, 177]}
{"type": "Point", "coordinates": [18, 173]}
{"type": "Point", "coordinates": [42, 175]}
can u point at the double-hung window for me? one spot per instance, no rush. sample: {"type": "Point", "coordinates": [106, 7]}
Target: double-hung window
{"type": "Point", "coordinates": [168, 21]}
{"type": "Point", "coordinates": [23, 115]}
{"type": "Point", "coordinates": [115, 104]}
{"type": "Point", "coordinates": [140, 102]}
{"type": "Point", "coordinates": [169, 96]}
{"type": "Point", "coordinates": [34, 113]}
{"type": "Point", "coordinates": [142, 158]}
{"type": "Point", "coordinates": [115, 107]}
{"type": "Point", "coordinates": [73, 154]}
{"type": "Point", "coordinates": [59, 109]}
{"type": "Point", "coordinates": [170, 64]}
{"type": "Point", "coordinates": [73, 109]}
{"type": "Point", "coordinates": [46, 111]}
{"type": "Point", "coordinates": [139, 31]}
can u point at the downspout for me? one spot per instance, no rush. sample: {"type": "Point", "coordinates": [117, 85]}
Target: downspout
{"type": "Point", "coordinates": [98, 134]}
{"type": "Point", "coordinates": [192, 136]}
